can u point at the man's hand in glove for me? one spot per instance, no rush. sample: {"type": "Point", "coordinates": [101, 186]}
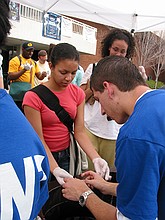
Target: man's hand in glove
{"type": "Point", "coordinates": [60, 174]}
{"type": "Point", "coordinates": [102, 168]}
{"type": "Point", "coordinates": [27, 66]}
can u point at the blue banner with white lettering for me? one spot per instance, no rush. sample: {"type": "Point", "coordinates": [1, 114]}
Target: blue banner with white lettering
{"type": "Point", "coordinates": [52, 26]}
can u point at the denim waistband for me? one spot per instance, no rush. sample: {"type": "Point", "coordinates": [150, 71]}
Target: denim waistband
{"type": "Point", "coordinates": [61, 152]}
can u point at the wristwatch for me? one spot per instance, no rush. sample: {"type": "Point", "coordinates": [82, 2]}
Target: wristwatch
{"type": "Point", "coordinates": [84, 196]}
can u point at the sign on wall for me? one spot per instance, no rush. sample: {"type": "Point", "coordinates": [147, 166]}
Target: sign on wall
{"type": "Point", "coordinates": [66, 27]}
{"type": "Point", "coordinates": [14, 11]}
{"type": "Point", "coordinates": [52, 26]}
{"type": "Point", "coordinates": [89, 34]}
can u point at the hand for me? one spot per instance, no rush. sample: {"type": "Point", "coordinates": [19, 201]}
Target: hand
{"type": "Point", "coordinates": [44, 74]}
{"type": "Point", "coordinates": [60, 174]}
{"type": "Point", "coordinates": [73, 188]}
{"type": "Point", "coordinates": [102, 168]}
{"type": "Point", "coordinates": [94, 180]}
{"type": "Point", "coordinates": [27, 66]}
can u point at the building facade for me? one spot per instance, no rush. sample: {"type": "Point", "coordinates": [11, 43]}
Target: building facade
{"type": "Point", "coordinates": [30, 24]}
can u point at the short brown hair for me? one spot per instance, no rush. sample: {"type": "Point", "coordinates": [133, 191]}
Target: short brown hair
{"type": "Point", "coordinates": [42, 53]}
{"type": "Point", "coordinates": [117, 70]}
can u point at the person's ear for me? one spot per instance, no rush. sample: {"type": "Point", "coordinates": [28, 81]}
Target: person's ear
{"type": "Point", "coordinates": [105, 84]}
{"type": "Point", "coordinates": [50, 65]}
{"type": "Point", "coordinates": [108, 86]}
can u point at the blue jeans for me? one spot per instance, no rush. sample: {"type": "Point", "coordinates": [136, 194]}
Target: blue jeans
{"type": "Point", "coordinates": [63, 160]}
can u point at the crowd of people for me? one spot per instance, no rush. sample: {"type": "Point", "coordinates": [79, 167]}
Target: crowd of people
{"type": "Point", "coordinates": [118, 121]}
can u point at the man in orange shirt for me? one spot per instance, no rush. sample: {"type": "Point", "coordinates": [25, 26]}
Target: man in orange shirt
{"type": "Point", "coordinates": [23, 68]}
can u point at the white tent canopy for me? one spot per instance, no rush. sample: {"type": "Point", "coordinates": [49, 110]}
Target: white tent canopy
{"type": "Point", "coordinates": [135, 15]}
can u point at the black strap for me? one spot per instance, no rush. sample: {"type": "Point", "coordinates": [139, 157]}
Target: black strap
{"type": "Point", "coordinates": [94, 65]}
{"type": "Point", "coordinates": [19, 57]}
{"type": "Point", "coordinates": [51, 100]}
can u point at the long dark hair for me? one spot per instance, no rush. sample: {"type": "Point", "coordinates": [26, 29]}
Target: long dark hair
{"type": "Point", "coordinates": [5, 25]}
{"type": "Point", "coordinates": [118, 34]}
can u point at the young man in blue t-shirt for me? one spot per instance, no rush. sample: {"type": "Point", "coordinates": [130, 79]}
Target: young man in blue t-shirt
{"type": "Point", "coordinates": [140, 148]}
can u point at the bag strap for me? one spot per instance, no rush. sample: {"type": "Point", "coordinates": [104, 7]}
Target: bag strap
{"type": "Point", "coordinates": [52, 102]}
{"type": "Point", "coordinates": [94, 65]}
{"type": "Point", "coordinates": [19, 57]}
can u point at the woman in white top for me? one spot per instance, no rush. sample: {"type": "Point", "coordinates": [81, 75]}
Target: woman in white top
{"type": "Point", "coordinates": [101, 130]}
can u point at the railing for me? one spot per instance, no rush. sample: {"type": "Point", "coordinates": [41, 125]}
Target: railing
{"type": "Point", "coordinates": [71, 30]}
{"type": "Point", "coordinates": [37, 15]}
{"type": "Point", "coordinates": [31, 13]}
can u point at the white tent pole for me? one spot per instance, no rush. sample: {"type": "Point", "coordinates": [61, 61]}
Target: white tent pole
{"type": "Point", "coordinates": [134, 22]}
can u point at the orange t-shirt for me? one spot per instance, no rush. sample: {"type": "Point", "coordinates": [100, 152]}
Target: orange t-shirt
{"type": "Point", "coordinates": [14, 66]}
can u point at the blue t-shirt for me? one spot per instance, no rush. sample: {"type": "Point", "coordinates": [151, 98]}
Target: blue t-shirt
{"type": "Point", "coordinates": [140, 160]}
{"type": "Point", "coordinates": [24, 167]}
{"type": "Point", "coordinates": [78, 77]}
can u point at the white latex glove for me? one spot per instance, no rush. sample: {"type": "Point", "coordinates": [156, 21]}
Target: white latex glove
{"type": "Point", "coordinates": [102, 168]}
{"type": "Point", "coordinates": [60, 174]}
{"type": "Point", "coordinates": [27, 66]}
